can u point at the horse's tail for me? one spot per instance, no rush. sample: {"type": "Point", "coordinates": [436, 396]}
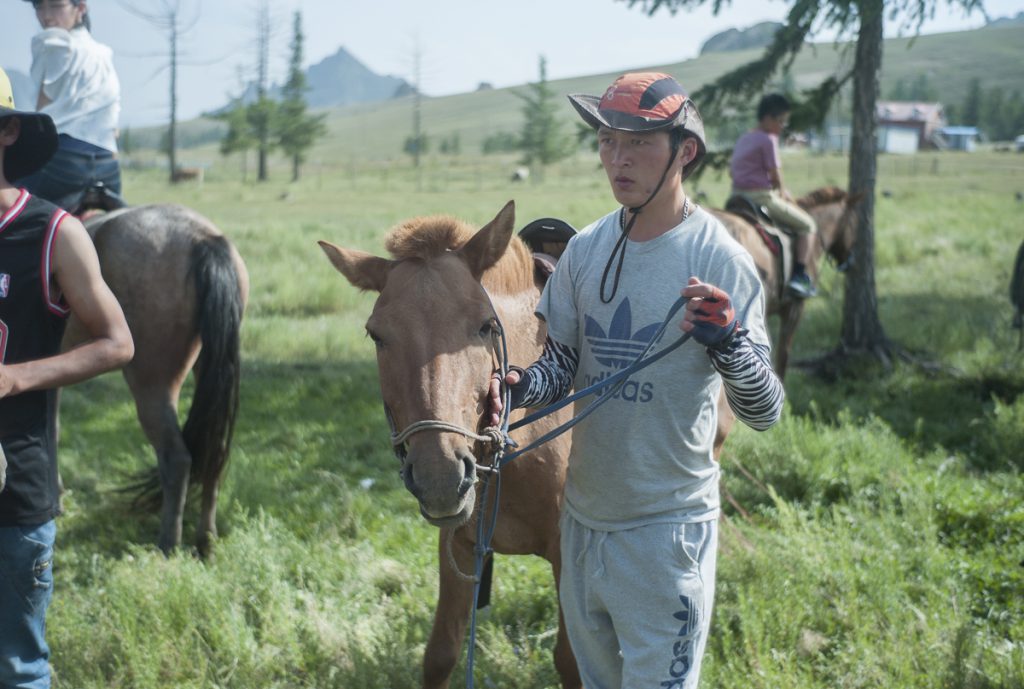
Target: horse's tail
{"type": "Point", "coordinates": [219, 306]}
{"type": "Point", "coordinates": [1017, 291]}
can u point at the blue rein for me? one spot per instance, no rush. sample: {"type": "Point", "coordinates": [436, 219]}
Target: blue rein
{"type": "Point", "coordinates": [618, 380]}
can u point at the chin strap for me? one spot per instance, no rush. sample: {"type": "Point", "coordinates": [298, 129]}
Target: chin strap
{"type": "Point", "coordinates": [620, 244]}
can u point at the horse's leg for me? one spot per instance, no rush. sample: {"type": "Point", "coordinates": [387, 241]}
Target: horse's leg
{"type": "Point", "coordinates": [156, 404]}
{"type": "Point", "coordinates": [789, 319]}
{"type": "Point", "coordinates": [207, 527]}
{"type": "Point", "coordinates": [452, 613]}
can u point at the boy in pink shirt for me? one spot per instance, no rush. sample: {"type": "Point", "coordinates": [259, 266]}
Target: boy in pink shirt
{"type": "Point", "coordinates": [756, 171]}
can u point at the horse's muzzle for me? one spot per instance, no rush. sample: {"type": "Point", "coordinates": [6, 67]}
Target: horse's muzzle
{"type": "Point", "coordinates": [446, 499]}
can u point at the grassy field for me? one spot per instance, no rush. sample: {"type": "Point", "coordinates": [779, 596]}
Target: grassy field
{"type": "Point", "coordinates": [876, 535]}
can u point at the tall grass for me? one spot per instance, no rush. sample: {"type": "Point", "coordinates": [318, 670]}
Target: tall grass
{"type": "Point", "coordinates": [874, 538]}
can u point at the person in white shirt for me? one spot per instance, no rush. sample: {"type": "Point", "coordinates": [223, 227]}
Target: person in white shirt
{"type": "Point", "coordinates": [79, 89]}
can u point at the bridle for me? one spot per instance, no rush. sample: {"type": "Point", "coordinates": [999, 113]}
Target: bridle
{"type": "Point", "coordinates": [493, 435]}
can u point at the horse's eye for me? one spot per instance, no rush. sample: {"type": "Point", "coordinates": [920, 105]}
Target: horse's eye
{"type": "Point", "coordinates": [376, 338]}
{"type": "Point", "coordinates": [487, 329]}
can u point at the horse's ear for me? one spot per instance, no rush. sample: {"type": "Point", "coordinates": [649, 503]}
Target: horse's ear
{"type": "Point", "coordinates": [363, 270]}
{"type": "Point", "coordinates": [489, 244]}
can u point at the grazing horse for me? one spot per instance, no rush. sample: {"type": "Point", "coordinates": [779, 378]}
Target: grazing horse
{"type": "Point", "coordinates": [434, 329]}
{"type": "Point", "coordinates": [832, 210]}
{"type": "Point", "coordinates": [183, 288]}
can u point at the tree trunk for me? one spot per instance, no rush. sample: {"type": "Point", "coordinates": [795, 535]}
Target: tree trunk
{"type": "Point", "coordinates": [862, 330]}
{"type": "Point", "coordinates": [296, 164]}
{"type": "Point", "coordinates": [172, 128]}
{"type": "Point", "coordinates": [261, 162]}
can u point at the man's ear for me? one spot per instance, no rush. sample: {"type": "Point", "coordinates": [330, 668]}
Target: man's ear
{"type": "Point", "coordinates": [687, 151]}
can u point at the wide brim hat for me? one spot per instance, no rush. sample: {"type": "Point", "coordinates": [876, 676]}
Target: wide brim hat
{"type": "Point", "coordinates": [643, 102]}
{"type": "Point", "coordinates": [38, 139]}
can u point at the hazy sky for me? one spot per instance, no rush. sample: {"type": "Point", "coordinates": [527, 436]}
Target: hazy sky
{"type": "Point", "coordinates": [460, 42]}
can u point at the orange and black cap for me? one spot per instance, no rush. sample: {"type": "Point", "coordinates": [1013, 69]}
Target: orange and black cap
{"type": "Point", "coordinates": [643, 102]}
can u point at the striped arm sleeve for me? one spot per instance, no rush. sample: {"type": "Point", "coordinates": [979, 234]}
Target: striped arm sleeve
{"type": "Point", "coordinates": [548, 379]}
{"type": "Point", "coordinates": [754, 392]}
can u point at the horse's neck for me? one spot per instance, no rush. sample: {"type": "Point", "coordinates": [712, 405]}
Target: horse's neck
{"type": "Point", "coordinates": [827, 217]}
{"type": "Point", "coordinates": [523, 329]}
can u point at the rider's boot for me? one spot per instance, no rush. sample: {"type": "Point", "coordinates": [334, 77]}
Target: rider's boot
{"type": "Point", "coordinates": [800, 284]}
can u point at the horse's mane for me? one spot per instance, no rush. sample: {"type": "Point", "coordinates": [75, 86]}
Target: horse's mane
{"type": "Point", "coordinates": [819, 197]}
{"type": "Point", "coordinates": [427, 237]}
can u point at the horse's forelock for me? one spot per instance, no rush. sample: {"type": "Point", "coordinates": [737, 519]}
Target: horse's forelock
{"type": "Point", "coordinates": [819, 197]}
{"type": "Point", "coordinates": [431, 236]}
{"type": "Point", "coordinates": [426, 237]}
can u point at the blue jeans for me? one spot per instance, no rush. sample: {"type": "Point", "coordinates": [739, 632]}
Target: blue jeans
{"type": "Point", "coordinates": [75, 167]}
{"type": "Point", "coordinates": [26, 586]}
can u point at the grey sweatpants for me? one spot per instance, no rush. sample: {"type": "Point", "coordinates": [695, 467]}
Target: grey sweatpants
{"type": "Point", "coordinates": [637, 603]}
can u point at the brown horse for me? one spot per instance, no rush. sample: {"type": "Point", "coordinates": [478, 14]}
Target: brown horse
{"type": "Point", "coordinates": [833, 211]}
{"type": "Point", "coordinates": [433, 329]}
{"type": "Point", "coordinates": [183, 289]}
{"type": "Point", "coordinates": [433, 326]}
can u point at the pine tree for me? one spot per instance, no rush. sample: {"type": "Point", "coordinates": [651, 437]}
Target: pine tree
{"type": "Point", "coordinates": [972, 103]}
{"type": "Point", "coordinates": [239, 137]}
{"type": "Point", "coordinates": [542, 140]}
{"type": "Point", "coordinates": [296, 129]}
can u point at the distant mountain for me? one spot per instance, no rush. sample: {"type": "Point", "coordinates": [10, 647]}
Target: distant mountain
{"type": "Point", "coordinates": [757, 36]}
{"type": "Point", "coordinates": [1007, 21]}
{"type": "Point", "coordinates": [339, 79]}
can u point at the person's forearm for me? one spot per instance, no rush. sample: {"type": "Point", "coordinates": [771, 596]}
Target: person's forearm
{"type": "Point", "coordinates": [754, 392]}
{"type": "Point", "coordinates": [548, 379]}
{"type": "Point", "coordinates": [85, 361]}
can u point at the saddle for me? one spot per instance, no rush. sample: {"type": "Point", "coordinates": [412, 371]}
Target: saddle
{"type": "Point", "coordinates": [547, 239]}
{"type": "Point", "coordinates": [776, 237]}
{"type": "Point", "coordinates": [97, 197]}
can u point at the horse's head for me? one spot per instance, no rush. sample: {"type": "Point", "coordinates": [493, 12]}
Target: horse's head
{"type": "Point", "coordinates": [435, 331]}
{"type": "Point", "coordinates": [835, 213]}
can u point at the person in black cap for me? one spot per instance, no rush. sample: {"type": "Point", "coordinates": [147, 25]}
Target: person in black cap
{"type": "Point", "coordinates": [641, 505]}
{"type": "Point", "coordinates": [48, 271]}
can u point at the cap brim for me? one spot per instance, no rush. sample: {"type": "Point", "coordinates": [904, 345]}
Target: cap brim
{"type": "Point", "coordinates": [589, 109]}
{"type": "Point", "coordinates": [547, 230]}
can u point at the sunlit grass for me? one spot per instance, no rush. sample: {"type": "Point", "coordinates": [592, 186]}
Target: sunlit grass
{"type": "Point", "coordinates": [874, 537]}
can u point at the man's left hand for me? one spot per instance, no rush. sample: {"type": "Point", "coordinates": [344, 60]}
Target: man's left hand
{"type": "Point", "coordinates": [709, 316]}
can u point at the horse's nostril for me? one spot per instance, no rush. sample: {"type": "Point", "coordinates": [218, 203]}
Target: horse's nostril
{"type": "Point", "coordinates": [468, 473]}
{"type": "Point", "coordinates": [410, 483]}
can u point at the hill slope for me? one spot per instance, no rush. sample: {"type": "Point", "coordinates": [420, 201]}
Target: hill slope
{"type": "Point", "coordinates": [376, 131]}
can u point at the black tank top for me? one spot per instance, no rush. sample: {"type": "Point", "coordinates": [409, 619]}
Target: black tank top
{"type": "Point", "coordinates": [32, 324]}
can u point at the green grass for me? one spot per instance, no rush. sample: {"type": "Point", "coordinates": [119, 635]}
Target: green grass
{"type": "Point", "coordinates": [875, 537]}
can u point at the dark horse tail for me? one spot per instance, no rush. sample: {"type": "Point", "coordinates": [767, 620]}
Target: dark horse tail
{"type": "Point", "coordinates": [1017, 293]}
{"type": "Point", "coordinates": [211, 419]}
{"type": "Point", "coordinates": [210, 425]}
